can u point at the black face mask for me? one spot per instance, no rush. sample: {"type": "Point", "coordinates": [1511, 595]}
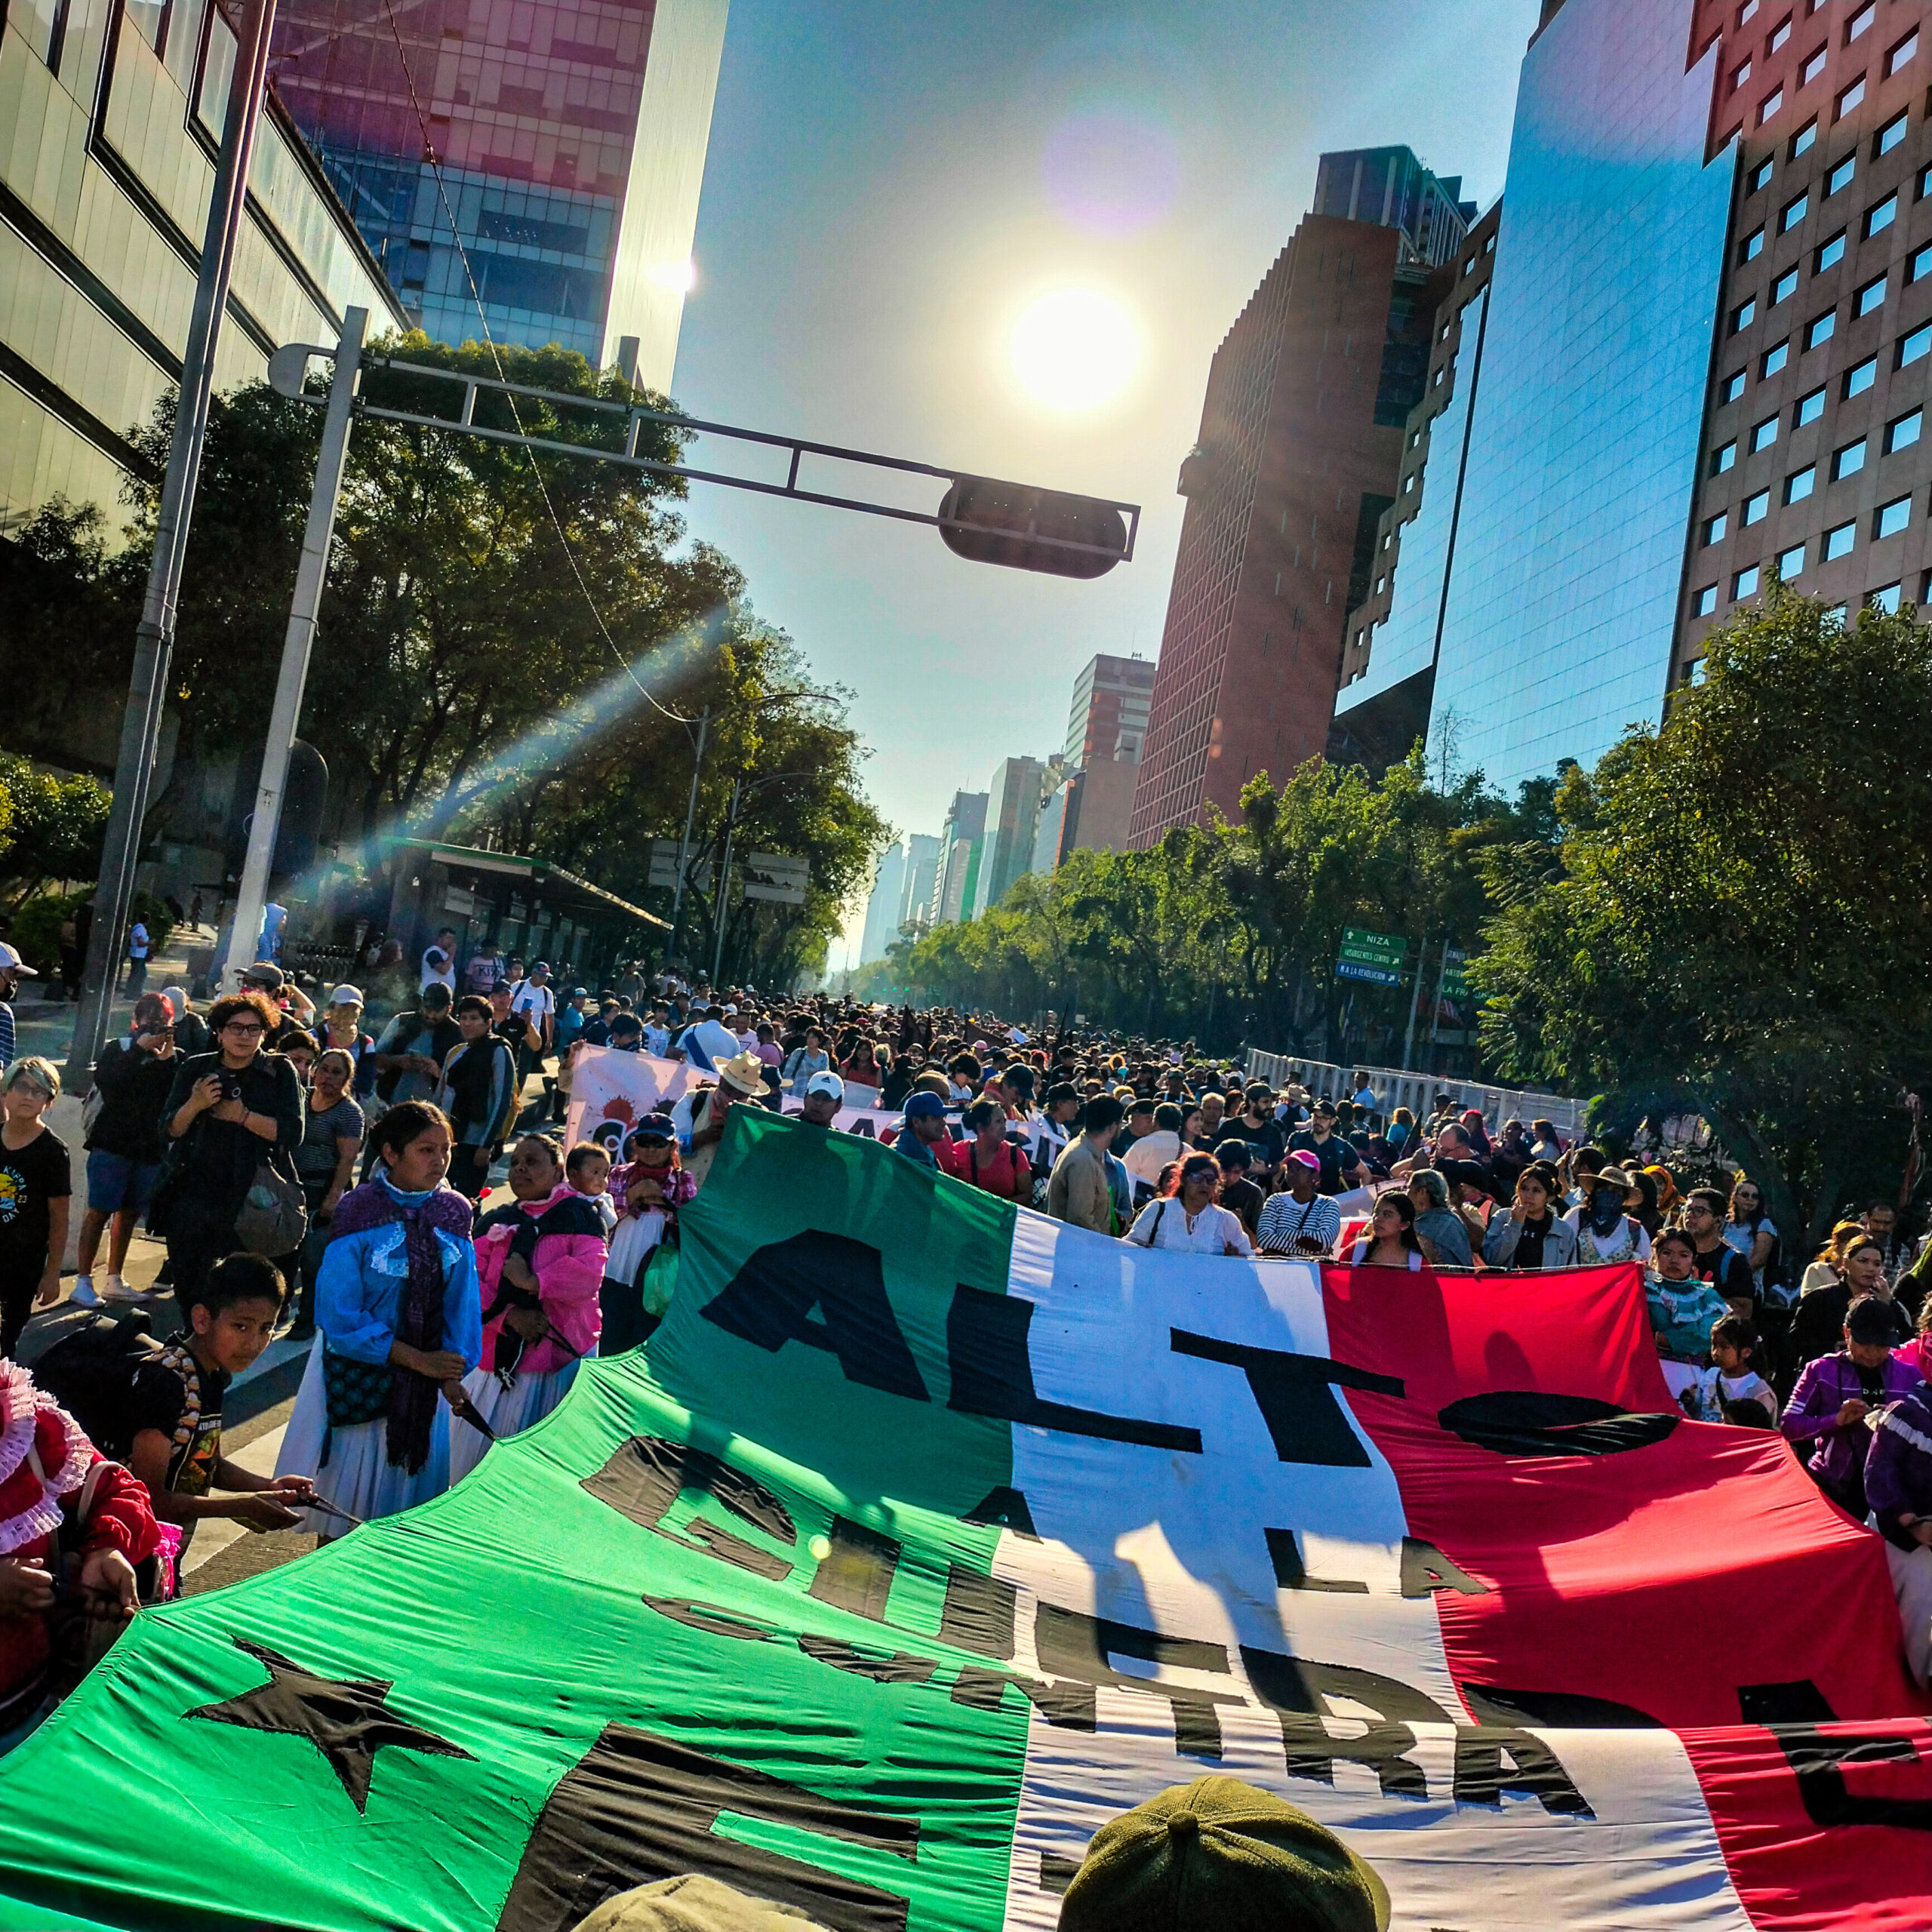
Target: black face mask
{"type": "Point", "coordinates": [1606, 1209]}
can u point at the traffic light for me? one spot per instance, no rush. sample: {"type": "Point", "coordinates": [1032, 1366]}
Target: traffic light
{"type": "Point", "coordinates": [988, 522]}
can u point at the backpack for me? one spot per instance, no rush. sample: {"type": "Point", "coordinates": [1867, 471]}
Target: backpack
{"type": "Point", "coordinates": [91, 1373]}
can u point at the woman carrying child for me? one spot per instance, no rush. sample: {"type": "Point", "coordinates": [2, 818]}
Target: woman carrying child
{"type": "Point", "coordinates": [539, 1265]}
{"type": "Point", "coordinates": [649, 1189]}
{"type": "Point", "coordinates": [396, 1302]}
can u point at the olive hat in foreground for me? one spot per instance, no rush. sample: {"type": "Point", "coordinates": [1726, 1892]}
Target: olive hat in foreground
{"type": "Point", "coordinates": [1222, 1853]}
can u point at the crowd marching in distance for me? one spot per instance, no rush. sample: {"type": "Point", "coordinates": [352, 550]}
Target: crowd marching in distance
{"type": "Point", "coordinates": [316, 1176]}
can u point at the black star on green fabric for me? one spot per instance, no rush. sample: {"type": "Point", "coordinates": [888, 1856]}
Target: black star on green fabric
{"type": "Point", "coordinates": [347, 1719]}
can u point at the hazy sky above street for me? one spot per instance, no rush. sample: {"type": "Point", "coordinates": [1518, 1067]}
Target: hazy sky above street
{"type": "Point", "coordinates": [890, 183]}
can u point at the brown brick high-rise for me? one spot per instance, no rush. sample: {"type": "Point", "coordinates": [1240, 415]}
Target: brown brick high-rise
{"type": "Point", "coordinates": [1301, 450]}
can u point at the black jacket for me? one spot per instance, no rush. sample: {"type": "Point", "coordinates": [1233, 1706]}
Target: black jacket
{"type": "Point", "coordinates": [133, 1087]}
{"type": "Point", "coordinates": [216, 1159]}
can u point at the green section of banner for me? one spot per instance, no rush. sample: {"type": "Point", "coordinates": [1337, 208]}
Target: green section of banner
{"type": "Point", "coordinates": [816, 1207]}
{"type": "Point", "coordinates": [634, 1641]}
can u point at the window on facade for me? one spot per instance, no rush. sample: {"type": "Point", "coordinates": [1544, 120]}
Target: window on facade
{"type": "Point", "coordinates": [1924, 183]}
{"type": "Point", "coordinates": [1815, 65]}
{"type": "Point", "coordinates": [1841, 175]}
{"type": "Point", "coordinates": [1752, 246]}
{"type": "Point", "coordinates": [1801, 483]}
{"type": "Point", "coordinates": [1415, 437]}
{"type": "Point", "coordinates": [1409, 481]}
{"type": "Point", "coordinates": [1704, 601]}
{"type": "Point", "coordinates": [1778, 36]}
{"type": "Point", "coordinates": [1912, 346]}
{"type": "Point", "coordinates": [1773, 360]}
{"type": "Point", "coordinates": [1821, 328]}
{"type": "Point", "coordinates": [1743, 315]}
{"type": "Point", "coordinates": [1868, 297]}
{"type": "Point", "coordinates": [1837, 542]}
{"type": "Point", "coordinates": [1757, 177]}
{"type": "Point", "coordinates": [1890, 135]}
{"type": "Point", "coordinates": [1860, 21]}
{"type": "Point", "coordinates": [1731, 388]}
{"type": "Point", "coordinates": [1724, 458]}
{"type": "Point", "coordinates": [1770, 105]}
{"type": "Point", "coordinates": [1809, 408]}
{"type": "Point", "coordinates": [1901, 431]}
{"type": "Point", "coordinates": [1756, 508]}
{"type": "Point", "coordinates": [1850, 98]}
{"type": "Point", "coordinates": [1791, 563]}
{"type": "Point", "coordinates": [1880, 217]}
{"type": "Point", "coordinates": [1903, 55]}
{"type": "Point", "coordinates": [1489, 247]}
{"type": "Point", "coordinates": [1829, 255]}
{"type": "Point", "coordinates": [1747, 13]}
{"type": "Point", "coordinates": [1848, 461]}
{"type": "Point", "coordinates": [1764, 435]}
{"type": "Point", "coordinates": [1793, 212]}
{"type": "Point", "coordinates": [1920, 264]}
{"type": "Point", "coordinates": [1714, 528]}
{"type": "Point", "coordinates": [1860, 377]}
{"type": "Point", "coordinates": [1785, 287]}
{"type": "Point", "coordinates": [1886, 599]}
{"type": "Point", "coordinates": [1745, 583]}
{"type": "Point", "coordinates": [1891, 518]}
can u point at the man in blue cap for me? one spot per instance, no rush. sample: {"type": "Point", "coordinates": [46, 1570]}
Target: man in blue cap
{"type": "Point", "coordinates": [925, 1126]}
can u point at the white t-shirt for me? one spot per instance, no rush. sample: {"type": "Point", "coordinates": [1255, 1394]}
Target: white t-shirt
{"type": "Point", "coordinates": [137, 942]}
{"type": "Point", "coordinates": [709, 1044]}
{"type": "Point", "coordinates": [531, 997]}
{"type": "Point", "coordinates": [1164, 1224]}
{"type": "Point", "coordinates": [432, 976]}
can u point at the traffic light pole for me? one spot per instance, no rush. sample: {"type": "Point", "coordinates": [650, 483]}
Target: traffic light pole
{"type": "Point", "coordinates": [310, 576]}
{"type": "Point", "coordinates": [154, 640]}
{"type": "Point", "coordinates": [684, 843]}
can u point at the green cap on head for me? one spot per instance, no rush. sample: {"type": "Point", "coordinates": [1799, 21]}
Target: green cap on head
{"type": "Point", "coordinates": [1222, 1853]}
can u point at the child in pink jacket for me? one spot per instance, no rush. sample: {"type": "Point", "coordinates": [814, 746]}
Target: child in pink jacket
{"type": "Point", "coordinates": [539, 1264]}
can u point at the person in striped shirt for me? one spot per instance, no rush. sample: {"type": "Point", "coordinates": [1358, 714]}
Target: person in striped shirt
{"type": "Point", "coordinates": [1299, 1219]}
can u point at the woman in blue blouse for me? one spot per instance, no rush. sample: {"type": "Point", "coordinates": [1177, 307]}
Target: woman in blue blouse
{"type": "Point", "coordinates": [397, 1303]}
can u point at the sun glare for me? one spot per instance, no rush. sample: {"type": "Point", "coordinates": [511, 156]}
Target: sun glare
{"type": "Point", "coordinates": [1074, 349]}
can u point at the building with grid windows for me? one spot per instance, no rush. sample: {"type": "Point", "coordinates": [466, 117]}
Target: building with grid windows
{"type": "Point", "coordinates": [1300, 453]}
{"type": "Point", "coordinates": [1628, 441]}
{"type": "Point", "coordinates": [112, 111]}
{"type": "Point", "coordinates": [1814, 462]}
{"type": "Point", "coordinates": [568, 141]}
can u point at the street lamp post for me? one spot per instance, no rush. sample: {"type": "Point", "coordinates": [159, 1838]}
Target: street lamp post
{"type": "Point", "coordinates": [721, 899]}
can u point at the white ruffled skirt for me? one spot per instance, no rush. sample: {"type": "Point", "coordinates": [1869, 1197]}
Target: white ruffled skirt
{"type": "Point", "coordinates": [358, 1476]}
{"type": "Point", "coordinates": [525, 1402]}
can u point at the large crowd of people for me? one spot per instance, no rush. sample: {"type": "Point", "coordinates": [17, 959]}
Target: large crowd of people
{"type": "Point", "coordinates": [315, 1178]}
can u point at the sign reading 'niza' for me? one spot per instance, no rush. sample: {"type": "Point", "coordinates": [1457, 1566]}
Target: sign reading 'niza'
{"type": "Point", "coordinates": [1376, 957]}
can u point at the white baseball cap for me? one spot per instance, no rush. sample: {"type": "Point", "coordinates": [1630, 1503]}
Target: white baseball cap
{"type": "Point", "coordinates": [826, 1083]}
{"type": "Point", "coordinates": [10, 961]}
{"type": "Point", "coordinates": [346, 996]}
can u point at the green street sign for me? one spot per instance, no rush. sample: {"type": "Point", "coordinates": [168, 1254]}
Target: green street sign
{"type": "Point", "coordinates": [1369, 949]}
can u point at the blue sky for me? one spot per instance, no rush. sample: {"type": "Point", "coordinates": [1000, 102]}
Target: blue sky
{"type": "Point", "coordinates": [890, 184]}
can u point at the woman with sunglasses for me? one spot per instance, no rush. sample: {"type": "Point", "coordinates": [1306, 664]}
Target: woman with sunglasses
{"type": "Point", "coordinates": [1188, 1218]}
{"type": "Point", "coordinates": [228, 1112]}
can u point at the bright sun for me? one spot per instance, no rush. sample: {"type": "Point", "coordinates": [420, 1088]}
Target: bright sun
{"type": "Point", "coordinates": [1074, 349]}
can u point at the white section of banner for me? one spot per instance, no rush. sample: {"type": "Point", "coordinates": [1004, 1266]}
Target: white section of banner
{"type": "Point", "coordinates": [873, 1123]}
{"type": "Point", "coordinates": [1648, 1858]}
{"type": "Point", "coordinates": [1102, 1338]}
{"type": "Point", "coordinates": [610, 1091]}
{"type": "Point", "coordinates": [1173, 1542]}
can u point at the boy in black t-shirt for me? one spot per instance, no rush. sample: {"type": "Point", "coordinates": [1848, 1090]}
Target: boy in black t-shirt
{"type": "Point", "coordinates": [36, 1185]}
{"type": "Point", "coordinates": [170, 1434]}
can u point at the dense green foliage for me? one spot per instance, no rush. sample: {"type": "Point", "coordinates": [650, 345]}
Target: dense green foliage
{"type": "Point", "coordinates": [475, 678]}
{"type": "Point", "coordinates": [1730, 916]}
{"type": "Point", "coordinates": [51, 827]}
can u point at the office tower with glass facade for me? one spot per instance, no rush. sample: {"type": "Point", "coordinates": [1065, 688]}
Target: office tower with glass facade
{"type": "Point", "coordinates": [1108, 719]}
{"type": "Point", "coordinates": [1300, 453]}
{"type": "Point", "coordinates": [922, 870]}
{"type": "Point", "coordinates": [882, 926]}
{"type": "Point", "coordinates": [955, 875]}
{"type": "Point", "coordinates": [1013, 798]}
{"type": "Point", "coordinates": [569, 140]}
{"type": "Point", "coordinates": [112, 117]}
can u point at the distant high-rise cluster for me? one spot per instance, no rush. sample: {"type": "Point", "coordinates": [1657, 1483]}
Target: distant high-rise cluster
{"type": "Point", "coordinates": [1033, 812]}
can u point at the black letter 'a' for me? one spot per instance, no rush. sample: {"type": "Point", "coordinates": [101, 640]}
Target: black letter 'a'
{"type": "Point", "coordinates": [769, 1301]}
{"type": "Point", "coordinates": [1533, 1770]}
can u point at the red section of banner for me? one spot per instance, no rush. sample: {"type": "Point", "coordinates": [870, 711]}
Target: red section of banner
{"type": "Point", "coordinates": [1664, 1578]}
{"type": "Point", "coordinates": [1828, 1827]}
